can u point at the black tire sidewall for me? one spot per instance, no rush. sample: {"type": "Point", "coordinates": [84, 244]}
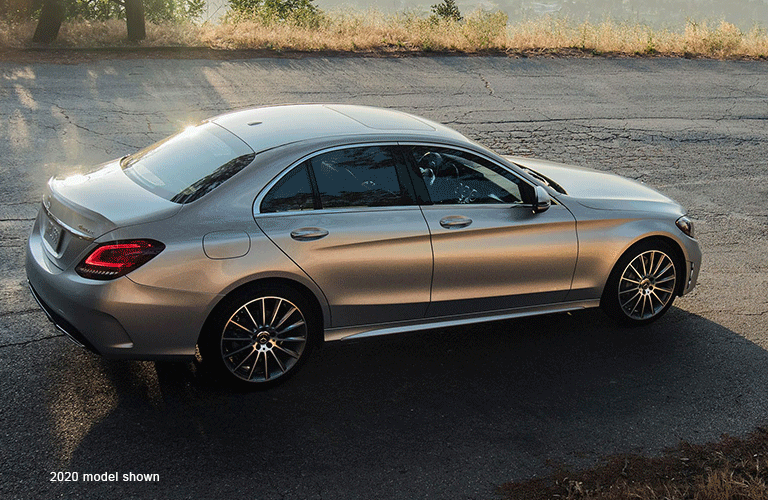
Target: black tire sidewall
{"type": "Point", "coordinates": [210, 338]}
{"type": "Point", "coordinates": [609, 301]}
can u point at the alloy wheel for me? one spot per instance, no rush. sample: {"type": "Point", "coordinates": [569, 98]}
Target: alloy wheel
{"type": "Point", "coordinates": [647, 285]}
{"type": "Point", "coordinates": [264, 339]}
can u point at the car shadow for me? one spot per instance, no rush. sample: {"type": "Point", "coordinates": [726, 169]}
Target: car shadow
{"type": "Point", "coordinates": [438, 414]}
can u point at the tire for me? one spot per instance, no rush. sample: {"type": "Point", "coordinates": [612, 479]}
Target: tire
{"type": "Point", "coordinates": [260, 336]}
{"type": "Point", "coordinates": [643, 284]}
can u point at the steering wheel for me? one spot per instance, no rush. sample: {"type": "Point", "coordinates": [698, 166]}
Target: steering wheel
{"type": "Point", "coordinates": [433, 165]}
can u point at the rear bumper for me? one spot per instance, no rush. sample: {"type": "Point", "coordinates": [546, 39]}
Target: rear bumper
{"type": "Point", "coordinates": [62, 324]}
{"type": "Point", "coordinates": [118, 318]}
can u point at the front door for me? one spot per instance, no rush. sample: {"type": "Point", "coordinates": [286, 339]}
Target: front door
{"type": "Point", "coordinates": [491, 252]}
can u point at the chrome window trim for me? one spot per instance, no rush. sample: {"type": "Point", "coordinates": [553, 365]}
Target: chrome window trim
{"type": "Point", "coordinates": [326, 211]}
{"type": "Point", "coordinates": [256, 210]}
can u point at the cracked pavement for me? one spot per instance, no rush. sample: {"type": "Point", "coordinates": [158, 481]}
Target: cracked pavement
{"type": "Point", "coordinates": [425, 415]}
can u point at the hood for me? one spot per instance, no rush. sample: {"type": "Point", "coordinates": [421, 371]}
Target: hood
{"type": "Point", "coordinates": [596, 189]}
{"type": "Point", "coordinates": [93, 204]}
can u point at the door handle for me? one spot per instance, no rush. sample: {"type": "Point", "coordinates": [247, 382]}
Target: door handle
{"type": "Point", "coordinates": [308, 234]}
{"type": "Point", "coordinates": [455, 221]}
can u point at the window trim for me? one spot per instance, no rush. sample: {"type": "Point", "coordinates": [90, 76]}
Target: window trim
{"type": "Point", "coordinates": [403, 173]}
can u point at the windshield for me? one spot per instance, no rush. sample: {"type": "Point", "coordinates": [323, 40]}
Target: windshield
{"type": "Point", "coordinates": [190, 164]}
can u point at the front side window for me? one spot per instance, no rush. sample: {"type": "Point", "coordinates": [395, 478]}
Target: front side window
{"type": "Point", "coordinates": [188, 165]}
{"type": "Point", "coordinates": [358, 177]}
{"type": "Point", "coordinates": [457, 177]}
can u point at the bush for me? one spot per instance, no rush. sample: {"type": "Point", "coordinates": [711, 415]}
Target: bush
{"type": "Point", "coordinates": [268, 12]}
{"type": "Point", "coordinates": [486, 30]}
{"type": "Point", "coordinates": [446, 11]}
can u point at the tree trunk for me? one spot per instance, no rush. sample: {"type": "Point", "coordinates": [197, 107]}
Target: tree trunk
{"type": "Point", "coordinates": [134, 18]}
{"type": "Point", "coordinates": [51, 16]}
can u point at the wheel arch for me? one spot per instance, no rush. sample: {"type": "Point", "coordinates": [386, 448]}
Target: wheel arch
{"type": "Point", "coordinates": [298, 287]}
{"type": "Point", "coordinates": [679, 257]}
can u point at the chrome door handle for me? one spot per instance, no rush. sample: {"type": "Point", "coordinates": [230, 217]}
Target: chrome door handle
{"type": "Point", "coordinates": [308, 233]}
{"type": "Point", "coordinates": [455, 221]}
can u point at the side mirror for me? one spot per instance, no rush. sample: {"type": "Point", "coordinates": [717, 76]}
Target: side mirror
{"type": "Point", "coordinates": [542, 201]}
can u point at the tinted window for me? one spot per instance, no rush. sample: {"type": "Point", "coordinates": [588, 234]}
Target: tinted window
{"type": "Point", "coordinates": [456, 177]}
{"type": "Point", "coordinates": [291, 193]}
{"type": "Point", "coordinates": [188, 165]}
{"type": "Point", "coordinates": [358, 177]}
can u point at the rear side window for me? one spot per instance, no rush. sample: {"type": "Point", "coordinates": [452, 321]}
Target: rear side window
{"type": "Point", "coordinates": [291, 193]}
{"type": "Point", "coordinates": [190, 164]}
{"type": "Point", "coordinates": [359, 177]}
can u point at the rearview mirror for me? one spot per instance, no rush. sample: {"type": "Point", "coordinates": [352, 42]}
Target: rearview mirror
{"type": "Point", "coordinates": [542, 200]}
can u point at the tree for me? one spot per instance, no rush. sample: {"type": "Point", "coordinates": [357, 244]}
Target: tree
{"type": "Point", "coordinates": [53, 13]}
{"type": "Point", "coordinates": [134, 19]}
{"type": "Point", "coordinates": [51, 16]}
{"type": "Point", "coordinates": [447, 10]}
{"type": "Point", "coordinates": [301, 12]}
{"type": "Point", "coordinates": [135, 12]}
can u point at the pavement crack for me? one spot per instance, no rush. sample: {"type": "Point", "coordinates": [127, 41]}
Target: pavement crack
{"type": "Point", "coordinates": [735, 313]}
{"type": "Point", "coordinates": [15, 203]}
{"type": "Point", "coordinates": [23, 311]}
{"type": "Point", "coordinates": [27, 342]}
{"type": "Point", "coordinates": [94, 132]}
{"type": "Point", "coordinates": [487, 84]}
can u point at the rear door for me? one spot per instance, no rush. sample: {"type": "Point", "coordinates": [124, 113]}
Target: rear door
{"type": "Point", "coordinates": [347, 217]}
{"type": "Point", "coordinates": [491, 252]}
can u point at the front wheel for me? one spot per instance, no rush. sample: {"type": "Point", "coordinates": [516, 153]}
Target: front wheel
{"type": "Point", "coordinates": [642, 285]}
{"type": "Point", "coordinates": [260, 336]}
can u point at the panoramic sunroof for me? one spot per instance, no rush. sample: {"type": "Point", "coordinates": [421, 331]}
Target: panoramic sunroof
{"type": "Point", "coordinates": [380, 119]}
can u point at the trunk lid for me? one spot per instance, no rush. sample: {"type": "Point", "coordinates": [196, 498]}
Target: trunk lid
{"type": "Point", "coordinates": [80, 208]}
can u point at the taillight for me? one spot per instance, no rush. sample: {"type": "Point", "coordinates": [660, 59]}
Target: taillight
{"type": "Point", "coordinates": [111, 260]}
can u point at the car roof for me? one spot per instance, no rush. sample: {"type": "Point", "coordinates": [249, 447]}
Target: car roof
{"type": "Point", "coordinates": [269, 127]}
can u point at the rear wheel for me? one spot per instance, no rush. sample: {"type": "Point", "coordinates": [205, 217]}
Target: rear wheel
{"type": "Point", "coordinates": [643, 284]}
{"type": "Point", "coordinates": [260, 336]}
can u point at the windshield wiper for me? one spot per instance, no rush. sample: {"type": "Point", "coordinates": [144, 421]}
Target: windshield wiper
{"type": "Point", "coordinates": [546, 180]}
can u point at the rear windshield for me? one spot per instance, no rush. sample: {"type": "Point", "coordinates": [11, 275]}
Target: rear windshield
{"type": "Point", "coordinates": [190, 164]}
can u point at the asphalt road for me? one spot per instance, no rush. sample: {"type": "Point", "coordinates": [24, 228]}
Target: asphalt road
{"type": "Point", "coordinates": [446, 414]}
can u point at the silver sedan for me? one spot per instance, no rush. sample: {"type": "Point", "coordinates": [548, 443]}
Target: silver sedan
{"type": "Point", "coordinates": [256, 235]}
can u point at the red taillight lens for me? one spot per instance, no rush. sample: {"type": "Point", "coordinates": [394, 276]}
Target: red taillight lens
{"type": "Point", "coordinates": [112, 260]}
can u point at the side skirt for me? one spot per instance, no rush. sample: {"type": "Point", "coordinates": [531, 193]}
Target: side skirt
{"type": "Point", "coordinates": [357, 332]}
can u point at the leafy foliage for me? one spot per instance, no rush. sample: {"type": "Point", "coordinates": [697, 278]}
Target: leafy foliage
{"type": "Point", "coordinates": [295, 12]}
{"type": "Point", "coordinates": [447, 10]}
{"type": "Point", "coordinates": [154, 10]}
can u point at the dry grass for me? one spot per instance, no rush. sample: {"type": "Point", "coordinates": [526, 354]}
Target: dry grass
{"type": "Point", "coordinates": [350, 31]}
{"type": "Point", "coordinates": [733, 469]}
{"type": "Point", "coordinates": [696, 39]}
{"type": "Point", "coordinates": [364, 32]}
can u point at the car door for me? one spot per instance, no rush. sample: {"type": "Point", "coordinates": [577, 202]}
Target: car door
{"type": "Point", "coordinates": [347, 217]}
{"type": "Point", "coordinates": [491, 252]}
